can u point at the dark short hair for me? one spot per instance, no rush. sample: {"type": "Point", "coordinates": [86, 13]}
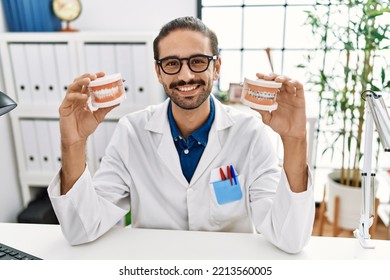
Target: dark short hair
{"type": "Point", "coordinates": [186, 23]}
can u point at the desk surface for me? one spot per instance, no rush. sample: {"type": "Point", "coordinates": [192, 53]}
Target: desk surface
{"type": "Point", "coordinates": [47, 242]}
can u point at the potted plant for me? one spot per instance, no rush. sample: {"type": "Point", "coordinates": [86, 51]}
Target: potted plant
{"type": "Point", "coordinates": [353, 40]}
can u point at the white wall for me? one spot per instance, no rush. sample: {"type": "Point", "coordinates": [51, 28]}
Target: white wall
{"type": "Point", "coordinates": [122, 15]}
{"type": "Point", "coordinates": [146, 15]}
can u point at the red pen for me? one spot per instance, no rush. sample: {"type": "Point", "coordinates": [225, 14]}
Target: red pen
{"type": "Point", "coordinates": [229, 174]}
{"type": "Point", "coordinates": [223, 177]}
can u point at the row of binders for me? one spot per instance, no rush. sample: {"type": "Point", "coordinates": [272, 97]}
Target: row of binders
{"type": "Point", "coordinates": [43, 71]}
{"type": "Point", "coordinates": [42, 144]}
{"type": "Point", "coordinates": [130, 59]}
{"type": "Point", "coordinates": [30, 16]}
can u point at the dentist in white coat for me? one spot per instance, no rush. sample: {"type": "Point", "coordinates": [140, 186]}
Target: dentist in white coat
{"type": "Point", "coordinates": [163, 163]}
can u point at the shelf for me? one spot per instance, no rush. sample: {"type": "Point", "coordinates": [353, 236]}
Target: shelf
{"type": "Point", "coordinates": [38, 67]}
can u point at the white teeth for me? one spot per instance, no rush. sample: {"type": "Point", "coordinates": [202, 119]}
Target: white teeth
{"type": "Point", "coordinates": [187, 88]}
{"type": "Point", "coordinates": [106, 92]}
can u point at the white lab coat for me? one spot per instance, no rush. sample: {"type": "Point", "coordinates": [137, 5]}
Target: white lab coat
{"type": "Point", "coordinates": [141, 171]}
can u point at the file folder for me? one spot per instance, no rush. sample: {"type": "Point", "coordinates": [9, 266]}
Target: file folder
{"type": "Point", "coordinates": [92, 61]}
{"type": "Point", "coordinates": [48, 19]}
{"type": "Point", "coordinates": [124, 55]}
{"type": "Point", "coordinates": [55, 140]}
{"type": "Point", "coordinates": [28, 16]}
{"type": "Point", "coordinates": [20, 73]}
{"type": "Point", "coordinates": [44, 145]}
{"type": "Point", "coordinates": [49, 72]}
{"type": "Point", "coordinates": [34, 67]}
{"type": "Point", "coordinates": [19, 14]}
{"type": "Point", "coordinates": [63, 66]}
{"type": "Point", "coordinates": [140, 75]}
{"type": "Point", "coordinates": [107, 58]}
{"type": "Point", "coordinates": [30, 145]}
{"type": "Point", "coordinates": [12, 22]}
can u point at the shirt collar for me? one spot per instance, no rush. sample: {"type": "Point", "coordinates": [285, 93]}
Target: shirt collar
{"type": "Point", "coordinates": [202, 133]}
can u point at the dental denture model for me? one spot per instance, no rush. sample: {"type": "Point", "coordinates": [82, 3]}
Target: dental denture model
{"type": "Point", "coordinates": [260, 94]}
{"type": "Point", "coordinates": [107, 91]}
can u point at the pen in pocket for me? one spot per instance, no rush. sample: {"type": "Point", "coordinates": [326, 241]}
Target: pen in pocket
{"type": "Point", "coordinates": [233, 174]}
{"type": "Point", "coordinates": [229, 174]}
{"type": "Point", "coordinates": [223, 177]}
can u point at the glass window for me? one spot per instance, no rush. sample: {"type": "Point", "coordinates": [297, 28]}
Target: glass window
{"type": "Point", "coordinates": [255, 61]}
{"type": "Point", "coordinates": [263, 27]}
{"type": "Point", "coordinates": [231, 68]}
{"type": "Point", "coordinates": [226, 23]}
{"type": "Point", "coordinates": [221, 2]}
{"type": "Point", "coordinates": [264, 2]}
{"type": "Point", "coordinates": [298, 35]}
{"type": "Point", "coordinates": [248, 28]}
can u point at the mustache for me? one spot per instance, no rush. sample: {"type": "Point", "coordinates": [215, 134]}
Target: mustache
{"type": "Point", "coordinates": [181, 83]}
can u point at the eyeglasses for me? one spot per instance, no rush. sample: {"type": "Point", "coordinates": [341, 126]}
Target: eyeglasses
{"type": "Point", "coordinates": [197, 63]}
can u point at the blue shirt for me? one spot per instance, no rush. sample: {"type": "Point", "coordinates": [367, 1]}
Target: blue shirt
{"type": "Point", "coordinates": [191, 149]}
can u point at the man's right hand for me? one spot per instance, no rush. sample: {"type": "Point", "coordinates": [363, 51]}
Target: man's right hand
{"type": "Point", "coordinates": [77, 122]}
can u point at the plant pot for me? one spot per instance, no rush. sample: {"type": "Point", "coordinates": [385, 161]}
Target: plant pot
{"type": "Point", "coordinates": [350, 202]}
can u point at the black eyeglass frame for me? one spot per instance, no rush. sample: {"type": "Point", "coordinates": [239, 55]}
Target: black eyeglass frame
{"type": "Point", "coordinates": [209, 59]}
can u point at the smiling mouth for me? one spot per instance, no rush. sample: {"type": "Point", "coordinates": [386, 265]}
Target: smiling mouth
{"type": "Point", "coordinates": [187, 88]}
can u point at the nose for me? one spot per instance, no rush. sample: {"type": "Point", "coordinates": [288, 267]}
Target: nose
{"type": "Point", "coordinates": [185, 73]}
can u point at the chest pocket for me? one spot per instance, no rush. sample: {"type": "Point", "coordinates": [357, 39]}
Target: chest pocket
{"type": "Point", "coordinates": [227, 203]}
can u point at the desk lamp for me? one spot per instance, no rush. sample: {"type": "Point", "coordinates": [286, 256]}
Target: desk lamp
{"type": "Point", "coordinates": [376, 112]}
{"type": "Point", "coordinates": [6, 104]}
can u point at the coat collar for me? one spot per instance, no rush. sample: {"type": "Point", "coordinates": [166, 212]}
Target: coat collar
{"type": "Point", "coordinates": [159, 120]}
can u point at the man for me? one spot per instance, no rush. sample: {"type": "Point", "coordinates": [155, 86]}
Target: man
{"type": "Point", "coordinates": [164, 163]}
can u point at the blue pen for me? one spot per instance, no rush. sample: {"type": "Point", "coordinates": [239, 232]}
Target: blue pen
{"type": "Point", "coordinates": [233, 174]}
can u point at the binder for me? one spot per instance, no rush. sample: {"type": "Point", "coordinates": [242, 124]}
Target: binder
{"type": "Point", "coordinates": [28, 15]}
{"type": "Point", "coordinates": [30, 145]}
{"type": "Point", "coordinates": [50, 22]}
{"type": "Point", "coordinates": [19, 13]}
{"type": "Point", "coordinates": [123, 56]}
{"type": "Point", "coordinates": [44, 145]}
{"type": "Point", "coordinates": [92, 61]}
{"type": "Point", "coordinates": [140, 75]}
{"type": "Point", "coordinates": [107, 58]}
{"type": "Point", "coordinates": [43, 12]}
{"type": "Point", "coordinates": [34, 67]}
{"type": "Point", "coordinates": [15, 16]}
{"type": "Point", "coordinates": [49, 72]}
{"type": "Point", "coordinates": [9, 17]}
{"type": "Point", "coordinates": [20, 72]}
{"type": "Point", "coordinates": [63, 66]}
{"type": "Point", "coordinates": [55, 141]}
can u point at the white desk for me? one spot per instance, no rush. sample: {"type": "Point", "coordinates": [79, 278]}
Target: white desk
{"type": "Point", "coordinates": [47, 242]}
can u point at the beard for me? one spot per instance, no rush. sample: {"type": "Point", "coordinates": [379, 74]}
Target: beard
{"type": "Point", "coordinates": [189, 102]}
